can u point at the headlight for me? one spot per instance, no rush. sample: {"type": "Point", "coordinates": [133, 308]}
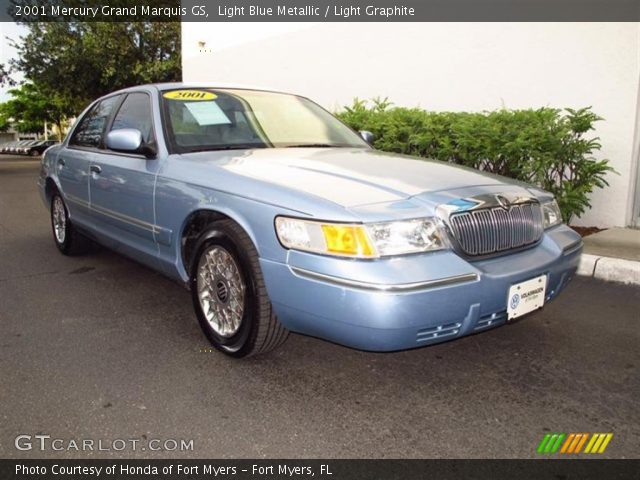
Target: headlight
{"type": "Point", "coordinates": [551, 213]}
{"type": "Point", "coordinates": [407, 236]}
{"type": "Point", "coordinates": [360, 240]}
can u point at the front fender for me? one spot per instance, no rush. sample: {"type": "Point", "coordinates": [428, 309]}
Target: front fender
{"type": "Point", "coordinates": [175, 204]}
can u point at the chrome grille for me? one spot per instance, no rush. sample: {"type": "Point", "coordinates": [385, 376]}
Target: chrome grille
{"type": "Point", "coordinates": [491, 230]}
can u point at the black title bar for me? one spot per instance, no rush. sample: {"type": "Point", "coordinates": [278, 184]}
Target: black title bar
{"type": "Point", "coordinates": [584, 469]}
{"type": "Point", "coordinates": [320, 10]}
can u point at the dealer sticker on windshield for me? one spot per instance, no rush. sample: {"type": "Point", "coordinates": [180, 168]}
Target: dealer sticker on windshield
{"type": "Point", "coordinates": [191, 95]}
{"type": "Point", "coordinates": [526, 297]}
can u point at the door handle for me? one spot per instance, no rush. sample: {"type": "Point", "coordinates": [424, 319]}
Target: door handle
{"type": "Point", "coordinates": [95, 169]}
{"type": "Point", "coordinates": [61, 162]}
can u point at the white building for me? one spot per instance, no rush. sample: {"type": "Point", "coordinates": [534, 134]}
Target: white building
{"type": "Point", "coordinates": [448, 66]}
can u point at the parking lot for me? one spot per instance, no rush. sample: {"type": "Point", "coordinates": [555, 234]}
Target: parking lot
{"type": "Point", "coordinates": [100, 347]}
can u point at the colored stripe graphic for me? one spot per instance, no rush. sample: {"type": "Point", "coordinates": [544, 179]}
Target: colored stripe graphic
{"type": "Point", "coordinates": [572, 443]}
{"type": "Point", "coordinates": [567, 442]}
{"type": "Point", "coordinates": [598, 442]}
{"type": "Point", "coordinates": [543, 443]}
{"type": "Point", "coordinates": [596, 446]}
{"type": "Point", "coordinates": [556, 445]}
{"type": "Point", "coordinates": [581, 443]}
{"type": "Point", "coordinates": [577, 438]}
{"type": "Point", "coordinates": [606, 442]}
{"type": "Point", "coordinates": [591, 442]}
{"type": "Point", "coordinates": [551, 442]}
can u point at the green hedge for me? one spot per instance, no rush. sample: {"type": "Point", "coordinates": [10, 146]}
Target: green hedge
{"type": "Point", "coordinates": [545, 147]}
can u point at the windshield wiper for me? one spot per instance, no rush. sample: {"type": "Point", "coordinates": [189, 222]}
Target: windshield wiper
{"type": "Point", "coordinates": [315, 145]}
{"type": "Point", "coordinates": [225, 147]}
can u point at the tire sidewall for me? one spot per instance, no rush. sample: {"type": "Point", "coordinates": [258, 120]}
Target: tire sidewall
{"type": "Point", "coordinates": [62, 246]}
{"type": "Point", "coordinates": [240, 343]}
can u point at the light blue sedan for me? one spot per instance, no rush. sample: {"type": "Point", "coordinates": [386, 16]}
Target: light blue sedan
{"type": "Point", "coordinates": [280, 218]}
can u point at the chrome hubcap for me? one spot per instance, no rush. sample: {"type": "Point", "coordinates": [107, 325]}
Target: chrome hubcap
{"type": "Point", "coordinates": [59, 220]}
{"type": "Point", "coordinates": [221, 291]}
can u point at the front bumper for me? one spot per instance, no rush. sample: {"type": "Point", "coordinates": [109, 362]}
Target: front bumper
{"type": "Point", "coordinates": [410, 301]}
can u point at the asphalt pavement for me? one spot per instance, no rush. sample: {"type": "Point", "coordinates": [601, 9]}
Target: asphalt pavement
{"type": "Point", "coordinates": [101, 348]}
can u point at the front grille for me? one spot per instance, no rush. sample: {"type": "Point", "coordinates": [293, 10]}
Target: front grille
{"type": "Point", "coordinates": [492, 320]}
{"type": "Point", "coordinates": [438, 332]}
{"type": "Point", "coordinates": [492, 230]}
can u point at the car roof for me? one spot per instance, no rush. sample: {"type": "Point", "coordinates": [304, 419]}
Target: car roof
{"type": "Point", "coordinates": [176, 85]}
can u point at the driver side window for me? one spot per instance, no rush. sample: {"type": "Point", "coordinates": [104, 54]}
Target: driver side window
{"type": "Point", "coordinates": [89, 132]}
{"type": "Point", "coordinates": [135, 112]}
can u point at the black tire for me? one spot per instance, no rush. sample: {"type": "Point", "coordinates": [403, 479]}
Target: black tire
{"type": "Point", "coordinates": [259, 330]}
{"type": "Point", "coordinates": [71, 242]}
{"type": "Point", "coordinates": [34, 153]}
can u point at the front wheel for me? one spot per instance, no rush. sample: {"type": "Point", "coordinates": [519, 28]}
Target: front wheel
{"type": "Point", "coordinates": [229, 294]}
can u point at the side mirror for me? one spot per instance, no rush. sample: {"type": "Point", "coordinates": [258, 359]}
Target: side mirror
{"type": "Point", "coordinates": [129, 140]}
{"type": "Point", "coordinates": [124, 140]}
{"type": "Point", "coordinates": [367, 136]}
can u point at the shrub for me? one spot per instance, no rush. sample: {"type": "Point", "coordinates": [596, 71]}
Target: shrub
{"type": "Point", "coordinates": [545, 147]}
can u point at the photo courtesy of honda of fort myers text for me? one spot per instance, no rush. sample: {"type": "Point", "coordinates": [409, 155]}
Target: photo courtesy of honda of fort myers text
{"type": "Point", "coordinates": [319, 239]}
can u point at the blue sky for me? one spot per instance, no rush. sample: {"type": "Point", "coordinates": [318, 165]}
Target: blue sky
{"type": "Point", "coordinates": [13, 31]}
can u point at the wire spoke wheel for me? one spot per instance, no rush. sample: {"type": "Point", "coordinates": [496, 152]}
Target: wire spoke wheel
{"type": "Point", "coordinates": [229, 295]}
{"type": "Point", "coordinates": [59, 220]}
{"type": "Point", "coordinates": [68, 240]}
{"type": "Point", "coordinates": [221, 291]}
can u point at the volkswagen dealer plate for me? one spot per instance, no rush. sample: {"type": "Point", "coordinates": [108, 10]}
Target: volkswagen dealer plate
{"type": "Point", "coordinates": [526, 297]}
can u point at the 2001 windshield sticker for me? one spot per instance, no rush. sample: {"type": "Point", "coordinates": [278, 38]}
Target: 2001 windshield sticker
{"type": "Point", "coordinates": [192, 95]}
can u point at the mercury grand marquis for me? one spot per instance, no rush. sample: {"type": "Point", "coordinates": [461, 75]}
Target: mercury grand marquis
{"type": "Point", "coordinates": [279, 218]}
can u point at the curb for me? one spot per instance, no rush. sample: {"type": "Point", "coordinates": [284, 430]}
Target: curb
{"type": "Point", "coordinates": [610, 269]}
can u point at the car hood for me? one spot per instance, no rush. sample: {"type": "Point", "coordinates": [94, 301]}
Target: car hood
{"type": "Point", "coordinates": [353, 177]}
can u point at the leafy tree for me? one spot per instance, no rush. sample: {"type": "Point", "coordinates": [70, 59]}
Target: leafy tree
{"type": "Point", "coordinates": [76, 62]}
{"type": "Point", "coordinates": [31, 108]}
{"type": "Point", "coordinates": [5, 79]}
{"type": "Point", "coordinates": [5, 122]}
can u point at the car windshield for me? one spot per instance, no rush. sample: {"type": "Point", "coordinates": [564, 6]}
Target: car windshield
{"type": "Point", "coordinates": [225, 119]}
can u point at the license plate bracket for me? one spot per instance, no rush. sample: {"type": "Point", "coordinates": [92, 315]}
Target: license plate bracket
{"type": "Point", "coordinates": [525, 297]}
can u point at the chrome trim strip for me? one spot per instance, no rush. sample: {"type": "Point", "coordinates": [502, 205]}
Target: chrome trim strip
{"type": "Point", "coordinates": [391, 288]}
{"type": "Point", "coordinates": [503, 200]}
{"type": "Point", "coordinates": [124, 218]}
{"type": "Point", "coordinates": [76, 200]}
{"type": "Point", "coordinates": [164, 235]}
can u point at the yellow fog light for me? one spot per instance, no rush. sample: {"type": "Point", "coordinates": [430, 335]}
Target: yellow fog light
{"type": "Point", "coordinates": [348, 240]}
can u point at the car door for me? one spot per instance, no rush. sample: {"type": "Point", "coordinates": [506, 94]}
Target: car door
{"type": "Point", "coordinates": [72, 163]}
{"type": "Point", "coordinates": [121, 184]}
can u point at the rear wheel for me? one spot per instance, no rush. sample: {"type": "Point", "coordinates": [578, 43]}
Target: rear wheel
{"type": "Point", "coordinates": [229, 294]}
{"type": "Point", "coordinates": [68, 240]}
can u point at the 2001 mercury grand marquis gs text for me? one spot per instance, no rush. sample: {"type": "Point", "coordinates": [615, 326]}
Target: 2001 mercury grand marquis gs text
{"type": "Point", "coordinates": [280, 218]}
